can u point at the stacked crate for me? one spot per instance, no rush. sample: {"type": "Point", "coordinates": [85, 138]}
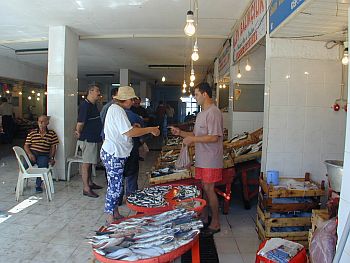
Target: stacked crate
{"type": "Point", "coordinates": [318, 218]}
{"type": "Point", "coordinates": [267, 223]}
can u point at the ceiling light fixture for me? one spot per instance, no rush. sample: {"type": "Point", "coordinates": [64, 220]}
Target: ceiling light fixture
{"type": "Point", "coordinates": [248, 67]}
{"type": "Point", "coordinates": [37, 99]}
{"type": "Point", "coordinates": [190, 29]}
{"type": "Point", "coordinates": [191, 84]}
{"type": "Point", "coordinates": [45, 92]}
{"type": "Point", "coordinates": [20, 93]}
{"type": "Point", "coordinates": [345, 59]}
{"type": "Point", "coordinates": [195, 55]}
{"type": "Point", "coordinates": [192, 77]}
{"type": "Point", "coordinates": [33, 91]}
{"type": "Point", "coordinates": [239, 75]}
{"type": "Point", "coordinates": [7, 91]}
{"type": "Point", "coordinates": [163, 79]}
{"type": "Point", "coordinates": [29, 97]}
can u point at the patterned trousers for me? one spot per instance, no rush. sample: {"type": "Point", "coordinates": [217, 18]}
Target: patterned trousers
{"type": "Point", "coordinates": [114, 168]}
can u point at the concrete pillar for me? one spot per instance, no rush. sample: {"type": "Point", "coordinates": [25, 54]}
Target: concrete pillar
{"type": "Point", "coordinates": [62, 88]}
{"type": "Point", "coordinates": [124, 77]}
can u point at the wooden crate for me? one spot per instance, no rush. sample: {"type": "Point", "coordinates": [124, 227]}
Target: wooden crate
{"type": "Point", "coordinates": [318, 217]}
{"type": "Point", "coordinates": [265, 223]}
{"type": "Point", "coordinates": [277, 192]}
{"type": "Point", "coordinates": [170, 177]}
{"type": "Point", "coordinates": [269, 193]}
{"type": "Point", "coordinates": [267, 205]}
{"type": "Point", "coordinates": [247, 157]}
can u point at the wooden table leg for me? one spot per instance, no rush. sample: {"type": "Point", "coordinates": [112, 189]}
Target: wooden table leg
{"type": "Point", "coordinates": [196, 258]}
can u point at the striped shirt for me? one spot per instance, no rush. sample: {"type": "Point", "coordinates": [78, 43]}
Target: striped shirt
{"type": "Point", "coordinates": [41, 143]}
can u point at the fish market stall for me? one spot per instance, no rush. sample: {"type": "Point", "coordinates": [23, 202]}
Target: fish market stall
{"type": "Point", "coordinates": [166, 197]}
{"type": "Point", "coordinates": [149, 238]}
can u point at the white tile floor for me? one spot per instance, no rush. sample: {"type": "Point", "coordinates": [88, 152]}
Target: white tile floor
{"type": "Point", "coordinates": [56, 231]}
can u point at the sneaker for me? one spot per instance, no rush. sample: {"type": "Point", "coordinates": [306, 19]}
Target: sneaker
{"type": "Point", "coordinates": [38, 189]}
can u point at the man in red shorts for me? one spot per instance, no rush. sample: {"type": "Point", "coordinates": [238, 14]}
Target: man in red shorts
{"type": "Point", "coordinates": [208, 139]}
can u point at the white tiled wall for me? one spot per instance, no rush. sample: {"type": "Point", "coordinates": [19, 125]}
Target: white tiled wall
{"type": "Point", "coordinates": [246, 121]}
{"type": "Point", "coordinates": [301, 128]}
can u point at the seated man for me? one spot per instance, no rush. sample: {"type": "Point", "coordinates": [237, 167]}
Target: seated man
{"type": "Point", "coordinates": [40, 146]}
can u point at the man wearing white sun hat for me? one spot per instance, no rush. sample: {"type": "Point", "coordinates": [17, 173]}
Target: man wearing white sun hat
{"type": "Point", "coordinates": [118, 145]}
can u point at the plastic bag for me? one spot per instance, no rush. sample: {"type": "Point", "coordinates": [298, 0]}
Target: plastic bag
{"type": "Point", "coordinates": [323, 243]}
{"type": "Point", "coordinates": [143, 150]}
{"type": "Point", "coordinates": [183, 161]}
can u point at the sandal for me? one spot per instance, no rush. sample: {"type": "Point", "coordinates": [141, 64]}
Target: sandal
{"type": "Point", "coordinates": [90, 194]}
{"type": "Point", "coordinates": [208, 232]}
{"type": "Point", "coordinates": [95, 186]}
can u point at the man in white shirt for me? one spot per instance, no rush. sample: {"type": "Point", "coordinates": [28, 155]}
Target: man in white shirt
{"type": "Point", "coordinates": [6, 111]}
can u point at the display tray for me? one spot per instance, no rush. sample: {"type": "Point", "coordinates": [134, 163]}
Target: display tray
{"type": "Point", "coordinates": [169, 197]}
{"type": "Point", "coordinates": [170, 177]}
{"type": "Point", "coordinates": [167, 257]}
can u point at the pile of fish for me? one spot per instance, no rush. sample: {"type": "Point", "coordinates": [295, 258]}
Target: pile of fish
{"type": "Point", "coordinates": [238, 137]}
{"type": "Point", "coordinates": [186, 192]}
{"type": "Point", "coordinates": [165, 171]}
{"type": "Point", "coordinates": [252, 148]}
{"type": "Point", "coordinates": [155, 196]}
{"type": "Point", "coordinates": [174, 141]}
{"type": "Point", "coordinates": [150, 197]}
{"type": "Point", "coordinates": [146, 237]}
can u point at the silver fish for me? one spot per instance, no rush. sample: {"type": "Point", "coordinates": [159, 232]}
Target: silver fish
{"type": "Point", "coordinates": [148, 252]}
{"type": "Point", "coordinates": [152, 238]}
{"type": "Point", "coordinates": [154, 243]}
{"type": "Point", "coordinates": [120, 253]}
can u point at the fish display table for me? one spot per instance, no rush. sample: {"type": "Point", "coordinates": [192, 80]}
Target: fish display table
{"type": "Point", "coordinates": [171, 202]}
{"type": "Point", "coordinates": [228, 176]}
{"type": "Point", "coordinates": [193, 245]}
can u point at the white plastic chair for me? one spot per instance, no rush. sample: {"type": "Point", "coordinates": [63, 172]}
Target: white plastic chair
{"type": "Point", "coordinates": [32, 172]}
{"type": "Point", "coordinates": [77, 158]}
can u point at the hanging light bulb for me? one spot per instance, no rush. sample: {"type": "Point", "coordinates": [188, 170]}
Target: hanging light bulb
{"type": "Point", "coordinates": [184, 85]}
{"type": "Point", "coordinates": [248, 67]}
{"type": "Point", "coordinates": [239, 75]}
{"type": "Point", "coordinates": [20, 93]}
{"type": "Point", "coordinates": [191, 84]}
{"type": "Point", "coordinates": [37, 99]}
{"type": "Point", "coordinates": [29, 97]}
{"type": "Point", "coordinates": [7, 91]}
{"type": "Point", "coordinates": [224, 86]}
{"type": "Point", "coordinates": [220, 86]}
{"type": "Point", "coordinates": [195, 55]}
{"type": "Point", "coordinates": [163, 79]}
{"type": "Point", "coordinates": [184, 90]}
{"type": "Point", "coordinates": [190, 29]}
{"type": "Point", "coordinates": [345, 59]}
{"type": "Point", "coordinates": [46, 92]}
{"type": "Point", "coordinates": [192, 77]}
{"type": "Point", "coordinates": [33, 91]}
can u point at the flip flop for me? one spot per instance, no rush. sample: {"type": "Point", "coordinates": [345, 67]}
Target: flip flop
{"type": "Point", "coordinates": [209, 232]}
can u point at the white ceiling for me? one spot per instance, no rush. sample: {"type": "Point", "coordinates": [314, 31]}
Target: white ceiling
{"type": "Point", "coordinates": [156, 24]}
{"type": "Point", "coordinates": [324, 20]}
